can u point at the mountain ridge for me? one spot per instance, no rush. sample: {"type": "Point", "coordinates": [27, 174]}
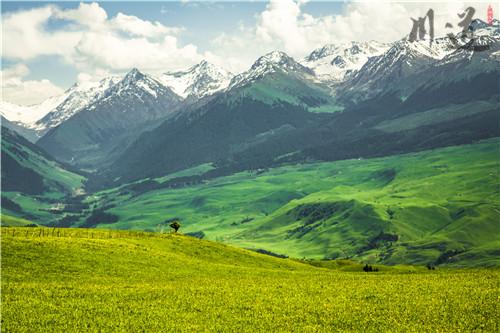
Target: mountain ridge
{"type": "Point", "coordinates": [97, 132]}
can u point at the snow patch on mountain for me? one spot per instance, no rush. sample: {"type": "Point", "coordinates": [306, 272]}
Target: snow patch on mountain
{"type": "Point", "coordinates": [404, 57]}
{"type": "Point", "coordinates": [198, 81]}
{"type": "Point", "coordinates": [333, 62]}
{"type": "Point", "coordinates": [79, 96]}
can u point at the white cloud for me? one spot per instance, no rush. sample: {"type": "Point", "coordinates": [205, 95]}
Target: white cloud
{"type": "Point", "coordinates": [88, 15]}
{"type": "Point", "coordinates": [137, 27]}
{"type": "Point", "coordinates": [24, 37]}
{"type": "Point", "coordinates": [19, 70]}
{"type": "Point", "coordinates": [25, 92]}
{"type": "Point", "coordinates": [107, 50]}
{"type": "Point", "coordinates": [91, 39]}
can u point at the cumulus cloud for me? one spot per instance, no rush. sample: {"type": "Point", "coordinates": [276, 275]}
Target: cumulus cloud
{"type": "Point", "coordinates": [19, 70]}
{"type": "Point", "coordinates": [91, 39]}
{"type": "Point", "coordinates": [24, 37]}
{"type": "Point", "coordinates": [25, 92]}
{"type": "Point", "coordinates": [88, 15]}
{"type": "Point", "coordinates": [137, 27]}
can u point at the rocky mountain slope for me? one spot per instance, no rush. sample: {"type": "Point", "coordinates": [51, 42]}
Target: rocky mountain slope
{"type": "Point", "coordinates": [101, 129]}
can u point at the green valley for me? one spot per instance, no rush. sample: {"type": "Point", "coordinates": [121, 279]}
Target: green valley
{"type": "Point", "coordinates": [438, 206]}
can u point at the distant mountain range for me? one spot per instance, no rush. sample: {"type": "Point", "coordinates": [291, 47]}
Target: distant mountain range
{"type": "Point", "coordinates": [94, 125]}
{"type": "Point", "coordinates": [272, 97]}
{"type": "Point", "coordinates": [200, 80]}
{"type": "Point", "coordinates": [281, 111]}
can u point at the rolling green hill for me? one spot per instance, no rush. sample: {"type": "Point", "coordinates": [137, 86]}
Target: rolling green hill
{"type": "Point", "coordinates": [33, 184]}
{"type": "Point", "coordinates": [439, 206]}
{"type": "Point", "coordinates": [91, 280]}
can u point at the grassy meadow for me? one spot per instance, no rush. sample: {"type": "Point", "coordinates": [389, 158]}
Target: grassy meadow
{"type": "Point", "coordinates": [438, 203]}
{"type": "Point", "coordinates": [62, 280]}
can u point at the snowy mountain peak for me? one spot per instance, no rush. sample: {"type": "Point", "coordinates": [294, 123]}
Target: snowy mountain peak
{"type": "Point", "coordinates": [345, 49]}
{"type": "Point", "coordinates": [276, 57]}
{"type": "Point", "coordinates": [203, 65]}
{"type": "Point", "coordinates": [333, 62]}
{"type": "Point", "coordinates": [272, 62]}
{"type": "Point", "coordinates": [401, 60]}
{"type": "Point", "coordinates": [76, 98]}
{"type": "Point", "coordinates": [277, 60]}
{"type": "Point", "coordinates": [198, 81]}
{"type": "Point", "coordinates": [133, 75]}
{"type": "Point", "coordinates": [136, 84]}
{"type": "Point", "coordinates": [438, 49]}
{"type": "Point", "coordinates": [55, 110]}
{"type": "Point", "coordinates": [322, 52]}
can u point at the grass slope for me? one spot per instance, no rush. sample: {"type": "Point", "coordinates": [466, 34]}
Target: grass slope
{"type": "Point", "coordinates": [33, 184]}
{"type": "Point", "coordinates": [279, 87]}
{"type": "Point", "coordinates": [12, 221]}
{"type": "Point", "coordinates": [89, 280]}
{"type": "Point", "coordinates": [55, 177]}
{"type": "Point", "coordinates": [441, 205]}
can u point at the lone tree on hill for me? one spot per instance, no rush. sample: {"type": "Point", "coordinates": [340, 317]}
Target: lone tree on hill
{"type": "Point", "coordinates": [175, 225]}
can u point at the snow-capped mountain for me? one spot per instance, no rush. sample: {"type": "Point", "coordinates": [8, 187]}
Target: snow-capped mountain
{"type": "Point", "coordinates": [56, 110]}
{"type": "Point", "coordinates": [479, 37]}
{"type": "Point", "coordinates": [136, 85]}
{"type": "Point", "coordinates": [334, 63]}
{"type": "Point", "coordinates": [198, 81]}
{"type": "Point", "coordinates": [401, 60]}
{"type": "Point", "coordinates": [331, 63]}
{"type": "Point", "coordinates": [404, 57]}
{"type": "Point", "coordinates": [29, 115]}
{"type": "Point", "coordinates": [50, 113]}
{"type": "Point", "coordinates": [76, 98]}
{"type": "Point", "coordinates": [272, 62]}
{"type": "Point", "coordinates": [111, 122]}
{"type": "Point", "coordinates": [406, 65]}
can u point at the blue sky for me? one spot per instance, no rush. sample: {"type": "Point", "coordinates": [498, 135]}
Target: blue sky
{"type": "Point", "coordinates": [48, 46]}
